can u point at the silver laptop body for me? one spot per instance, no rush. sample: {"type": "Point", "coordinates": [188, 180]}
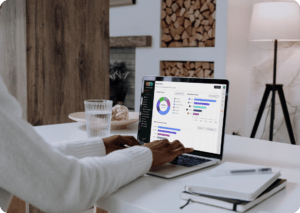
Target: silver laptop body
{"type": "Point", "coordinates": [191, 110]}
{"type": "Point", "coordinates": [172, 170]}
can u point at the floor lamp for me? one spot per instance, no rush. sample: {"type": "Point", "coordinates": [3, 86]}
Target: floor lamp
{"type": "Point", "coordinates": [275, 21]}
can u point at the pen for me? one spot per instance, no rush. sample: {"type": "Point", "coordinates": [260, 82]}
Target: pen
{"type": "Point", "coordinates": [241, 172]}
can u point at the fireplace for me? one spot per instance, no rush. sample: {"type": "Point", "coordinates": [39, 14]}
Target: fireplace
{"type": "Point", "coordinates": [127, 55]}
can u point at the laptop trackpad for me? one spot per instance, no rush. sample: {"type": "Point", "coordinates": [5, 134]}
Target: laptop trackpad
{"type": "Point", "coordinates": [166, 168]}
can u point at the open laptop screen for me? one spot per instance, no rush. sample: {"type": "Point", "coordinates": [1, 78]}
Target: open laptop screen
{"type": "Point", "coordinates": [184, 109]}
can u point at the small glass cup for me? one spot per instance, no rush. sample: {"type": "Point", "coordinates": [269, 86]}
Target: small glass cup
{"type": "Point", "coordinates": [98, 117]}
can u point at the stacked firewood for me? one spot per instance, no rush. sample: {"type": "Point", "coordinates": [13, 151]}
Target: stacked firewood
{"type": "Point", "coordinates": [188, 23]}
{"type": "Point", "coordinates": [187, 69]}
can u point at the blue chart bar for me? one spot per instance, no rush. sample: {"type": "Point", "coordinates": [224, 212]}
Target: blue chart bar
{"type": "Point", "coordinates": [205, 104]}
{"type": "Point", "coordinates": [207, 100]}
{"type": "Point", "coordinates": [197, 110]}
{"type": "Point", "coordinates": [167, 132]}
{"type": "Point", "coordinates": [161, 127]}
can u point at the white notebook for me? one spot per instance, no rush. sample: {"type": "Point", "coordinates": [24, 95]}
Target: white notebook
{"type": "Point", "coordinates": [233, 204]}
{"type": "Point", "coordinates": [243, 187]}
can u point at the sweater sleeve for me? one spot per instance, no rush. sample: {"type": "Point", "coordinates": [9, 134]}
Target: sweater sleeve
{"type": "Point", "coordinates": [37, 173]}
{"type": "Point", "coordinates": [92, 147]}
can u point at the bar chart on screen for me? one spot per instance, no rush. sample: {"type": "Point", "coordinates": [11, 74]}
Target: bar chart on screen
{"type": "Point", "coordinates": [204, 108]}
{"type": "Point", "coordinates": [167, 133]}
{"type": "Point", "coordinates": [200, 138]}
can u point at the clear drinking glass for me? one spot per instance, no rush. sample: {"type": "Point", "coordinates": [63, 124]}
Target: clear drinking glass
{"type": "Point", "coordinates": [98, 117]}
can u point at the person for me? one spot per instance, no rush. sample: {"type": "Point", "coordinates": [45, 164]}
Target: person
{"type": "Point", "coordinates": [68, 176]}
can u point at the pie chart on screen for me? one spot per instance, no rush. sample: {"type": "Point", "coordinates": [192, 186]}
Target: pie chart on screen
{"type": "Point", "coordinates": [163, 106]}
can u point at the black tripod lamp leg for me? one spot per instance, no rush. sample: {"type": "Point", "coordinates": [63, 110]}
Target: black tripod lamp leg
{"type": "Point", "coordinates": [260, 111]}
{"type": "Point", "coordinates": [286, 115]}
{"type": "Point", "coordinates": [272, 114]}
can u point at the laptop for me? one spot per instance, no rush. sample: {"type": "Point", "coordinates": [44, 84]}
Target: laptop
{"type": "Point", "coordinates": [191, 110]}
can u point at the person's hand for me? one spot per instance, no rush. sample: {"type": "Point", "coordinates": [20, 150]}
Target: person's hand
{"type": "Point", "coordinates": [117, 142]}
{"type": "Point", "coordinates": [164, 152]}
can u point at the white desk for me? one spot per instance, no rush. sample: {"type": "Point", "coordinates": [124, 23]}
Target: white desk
{"type": "Point", "coordinates": [152, 194]}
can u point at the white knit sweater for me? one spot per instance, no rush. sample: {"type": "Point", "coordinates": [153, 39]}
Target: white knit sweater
{"type": "Point", "coordinates": [65, 177]}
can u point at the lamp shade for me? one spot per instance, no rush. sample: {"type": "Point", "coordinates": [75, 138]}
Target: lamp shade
{"type": "Point", "coordinates": [275, 20]}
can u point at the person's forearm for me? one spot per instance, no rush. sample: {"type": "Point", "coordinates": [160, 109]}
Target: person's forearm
{"type": "Point", "coordinates": [92, 147]}
{"type": "Point", "coordinates": [54, 182]}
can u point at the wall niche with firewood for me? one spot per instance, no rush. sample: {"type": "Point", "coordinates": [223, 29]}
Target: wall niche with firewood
{"type": "Point", "coordinates": [188, 23]}
{"type": "Point", "coordinates": [187, 69]}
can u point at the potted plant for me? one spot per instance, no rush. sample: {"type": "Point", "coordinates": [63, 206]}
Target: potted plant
{"type": "Point", "coordinates": [118, 73]}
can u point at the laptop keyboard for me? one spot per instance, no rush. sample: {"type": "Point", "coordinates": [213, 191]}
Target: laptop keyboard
{"type": "Point", "coordinates": [188, 161]}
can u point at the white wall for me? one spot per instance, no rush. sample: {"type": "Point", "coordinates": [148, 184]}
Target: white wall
{"type": "Point", "coordinates": [261, 56]}
{"type": "Point", "coordinates": [249, 67]}
{"type": "Point", "coordinates": [237, 66]}
{"type": "Point", "coordinates": [144, 19]}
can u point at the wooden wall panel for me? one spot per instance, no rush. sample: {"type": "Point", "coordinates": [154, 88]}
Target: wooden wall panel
{"type": "Point", "coordinates": [131, 41]}
{"type": "Point", "coordinates": [32, 209]}
{"type": "Point", "coordinates": [67, 57]}
{"type": "Point", "coordinates": [17, 206]}
{"type": "Point", "coordinates": [117, 3]}
{"type": "Point", "coordinates": [13, 50]}
{"type": "Point", "coordinates": [54, 55]}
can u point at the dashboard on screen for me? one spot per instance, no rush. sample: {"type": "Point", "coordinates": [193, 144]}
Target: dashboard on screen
{"type": "Point", "coordinates": [192, 113]}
